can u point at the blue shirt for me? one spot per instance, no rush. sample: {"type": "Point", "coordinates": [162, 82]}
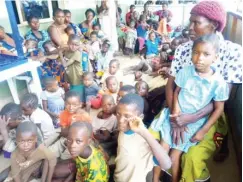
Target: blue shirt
{"type": "Point", "coordinates": [141, 31]}
{"type": "Point", "coordinates": [196, 92]}
{"type": "Point", "coordinates": [92, 90]}
{"type": "Point", "coordinates": [152, 47]}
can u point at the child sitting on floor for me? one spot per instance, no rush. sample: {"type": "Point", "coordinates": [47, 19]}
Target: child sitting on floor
{"type": "Point", "coordinates": [197, 86]}
{"type": "Point", "coordinates": [90, 161]}
{"type": "Point", "coordinates": [29, 159]}
{"type": "Point", "coordinates": [112, 87]}
{"type": "Point", "coordinates": [136, 146]}
{"type": "Point", "coordinates": [130, 39]}
{"type": "Point", "coordinates": [92, 92]}
{"type": "Point", "coordinates": [124, 90]}
{"type": "Point", "coordinates": [152, 45]}
{"type": "Point", "coordinates": [53, 99]}
{"type": "Point", "coordinates": [114, 67]}
{"type": "Point", "coordinates": [29, 106]}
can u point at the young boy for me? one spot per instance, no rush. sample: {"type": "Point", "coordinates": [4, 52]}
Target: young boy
{"type": "Point", "coordinates": [94, 46]}
{"type": "Point", "coordinates": [90, 161]}
{"type": "Point", "coordinates": [124, 90]}
{"type": "Point", "coordinates": [112, 87]}
{"type": "Point", "coordinates": [29, 159]}
{"type": "Point", "coordinates": [29, 106]}
{"type": "Point", "coordinates": [136, 146]}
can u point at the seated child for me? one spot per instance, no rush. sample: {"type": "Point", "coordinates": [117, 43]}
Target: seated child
{"type": "Point", "coordinates": [124, 90]}
{"type": "Point", "coordinates": [69, 31]}
{"type": "Point", "coordinates": [68, 22]}
{"type": "Point", "coordinates": [112, 87]}
{"type": "Point", "coordinates": [113, 71]}
{"type": "Point", "coordinates": [197, 86]}
{"type": "Point", "coordinates": [103, 59]}
{"type": "Point", "coordinates": [30, 159]}
{"type": "Point", "coordinates": [100, 34]}
{"type": "Point", "coordinates": [92, 92]}
{"type": "Point", "coordinates": [53, 99]}
{"type": "Point", "coordinates": [130, 39]}
{"type": "Point", "coordinates": [94, 47]}
{"type": "Point", "coordinates": [105, 122]}
{"type": "Point", "coordinates": [142, 31]}
{"type": "Point", "coordinates": [136, 146]}
{"type": "Point", "coordinates": [90, 161]}
{"type": "Point", "coordinates": [29, 106]}
{"type": "Point", "coordinates": [152, 45]}
{"type": "Point", "coordinates": [72, 62]}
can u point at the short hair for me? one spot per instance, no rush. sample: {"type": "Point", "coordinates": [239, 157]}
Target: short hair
{"type": "Point", "coordinates": [96, 24]}
{"type": "Point", "coordinates": [208, 38]}
{"type": "Point", "coordinates": [68, 28]}
{"type": "Point", "coordinates": [83, 125]}
{"type": "Point", "coordinates": [133, 99]}
{"type": "Point", "coordinates": [89, 10]}
{"type": "Point", "coordinates": [30, 100]}
{"type": "Point", "coordinates": [70, 94]}
{"type": "Point", "coordinates": [106, 42]}
{"type": "Point", "coordinates": [85, 74]}
{"type": "Point", "coordinates": [142, 82]}
{"type": "Point", "coordinates": [94, 33]}
{"type": "Point", "coordinates": [11, 110]}
{"type": "Point", "coordinates": [47, 42]}
{"type": "Point", "coordinates": [74, 38]}
{"type": "Point", "coordinates": [66, 11]}
{"type": "Point", "coordinates": [58, 10]}
{"type": "Point", "coordinates": [109, 97]}
{"type": "Point", "coordinates": [31, 40]}
{"type": "Point", "coordinates": [109, 78]}
{"type": "Point", "coordinates": [142, 17]}
{"type": "Point", "coordinates": [114, 61]}
{"type": "Point", "coordinates": [132, 6]}
{"type": "Point", "coordinates": [31, 17]}
{"type": "Point", "coordinates": [49, 80]}
{"type": "Point", "coordinates": [163, 56]}
{"type": "Point", "coordinates": [26, 126]}
{"type": "Point", "coordinates": [128, 88]}
{"type": "Point", "coordinates": [119, 10]}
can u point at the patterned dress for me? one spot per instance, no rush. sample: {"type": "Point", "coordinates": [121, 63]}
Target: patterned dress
{"type": "Point", "coordinates": [92, 169]}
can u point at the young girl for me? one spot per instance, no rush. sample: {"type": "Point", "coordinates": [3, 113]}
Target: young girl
{"type": "Point", "coordinates": [142, 29]}
{"type": "Point", "coordinates": [130, 39]}
{"type": "Point", "coordinates": [112, 87]}
{"type": "Point", "coordinates": [53, 99]}
{"type": "Point", "coordinates": [152, 45]}
{"type": "Point", "coordinates": [197, 86]}
{"type": "Point", "coordinates": [113, 71]}
{"type": "Point", "coordinates": [28, 159]}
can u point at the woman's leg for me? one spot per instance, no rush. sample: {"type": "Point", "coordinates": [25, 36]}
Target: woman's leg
{"type": "Point", "coordinates": [175, 158]}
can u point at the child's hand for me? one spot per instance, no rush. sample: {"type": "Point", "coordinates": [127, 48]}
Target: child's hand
{"type": "Point", "coordinates": [199, 136]}
{"type": "Point", "coordinates": [136, 124]}
{"type": "Point", "coordinates": [3, 123]}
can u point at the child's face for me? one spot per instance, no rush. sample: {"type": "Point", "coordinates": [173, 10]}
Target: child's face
{"type": "Point", "coordinates": [155, 64]}
{"type": "Point", "coordinates": [113, 68]}
{"type": "Point", "coordinates": [124, 113]}
{"type": "Point", "coordinates": [142, 89]}
{"type": "Point", "coordinates": [120, 95]}
{"type": "Point", "coordinates": [52, 87]}
{"type": "Point", "coordinates": [93, 38]}
{"type": "Point", "coordinates": [27, 111]}
{"type": "Point", "coordinates": [152, 36]}
{"type": "Point", "coordinates": [105, 48]}
{"type": "Point", "coordinates": [203, 55]}
{"type": "Point", "coordinates": [107, 106]}
{"type": "Point", "coordinates": [26, 141]}
{"type": "Point", "coordinates": [72, 104]}
{"type": "Point", "coordinates": [96, 28]}
{"type": "Point", "coordinates": [30, 44]}
{"type": "Point", "coordinates": [112, 85]}
{"type": "Point", "coordinates": [77, 141]}
{"type": "Point", "coordinates": [88, 80]}
{"type": "Point", "coordinates": [74, 45]}
{"type": "Point", "coordinates": [68, 18]}
{"type": "Point", "coordinates": [174, 44]}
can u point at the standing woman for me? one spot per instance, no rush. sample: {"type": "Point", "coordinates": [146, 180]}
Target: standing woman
{"type": "Point", "coordinates": [40, 36]}
{"type": "Point", "coordinates": [107, 18]}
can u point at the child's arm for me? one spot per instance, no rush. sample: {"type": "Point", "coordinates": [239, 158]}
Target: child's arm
{"type": "Point", "coordinates": [176, 107]}
{"type": "Point", "coordinates": [157, 150]}
{"type": "Point", "coordinates": [218, 110]}
{"type": "Point", "coordinates": [74, 58]}
{"type": "Point", "coordinates": [44, 103]}
{"type": "Point", "coordinates": [3, 128]}
{"type": "Point", "coordinates": [44, 171]}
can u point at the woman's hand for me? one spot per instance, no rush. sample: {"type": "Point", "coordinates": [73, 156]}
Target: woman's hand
{"type": "Point", "coordinates": [199, 136]}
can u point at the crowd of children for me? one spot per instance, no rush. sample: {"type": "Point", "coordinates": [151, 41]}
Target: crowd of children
{"type": "Point", "coordinates": [65, 141]}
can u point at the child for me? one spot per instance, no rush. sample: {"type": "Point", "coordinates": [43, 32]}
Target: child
{"type": "Point", "coordinates": [69, 31]}
{"type": "Point", "coordinates": [197, 86]}
{"type": "Point", "coordinates": [94, 47]}
{"type": "Point", "coordinates": [112, 87]}
{"type": "Point", "coordinates": [136, 146]}
{"type": "Point", "coordinates": [130, 39]}
{"type": "Point", "coordinates": [29, 106]}
{"type": "Point", "coordinates": [100, 34]}
{"type": "Point", "coordinates": [113, 71]}
{"type": "Point", "coordinates": [90, 161]}
{"type": "Point", "coordinates": [103, 58]}
{"type": "Point", "coordinates": [53, 99]}
{"type": "Point", "coordinates": [31, 48]}
{"type": "Point", "coordinates": [29, 159]}
{"type": "Point", "coordinates": [92, 93]}
{"type": "Point", "coordinates": [124, 90]}
{"type": "Point", "coordinates": [152, 46]}
{"type": "Point", "coordinates": [71, 60]}
{"type": "Point", "coordinates": [105, 121]}
{"type": "Point", "coordinates": [142, 31]}
{"type": "Point", "coordinates": [68, 22]}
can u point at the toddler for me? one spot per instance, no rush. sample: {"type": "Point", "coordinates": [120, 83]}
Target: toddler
{"type": "Point", "coordinates": [152, 45]}
{"type": "Point", "coordinates": [94, 47]}
{"type": "Point", "coordinates": [69, 31]}
{"type": "Point", "coordinates": [100, 34]}
{"type": "Point", "coordinates": [31, 48]}
{"type": "Point", "coordinates": [112, 87]}
{"type": "Point", "coordinates": [30, 159]}
{"type": "Point", "coordinates": [197, 86]}
{"type": "Point", "coordinates": [142, 29]}
{"type": "Point", "coordinates": [75, 28]}
{"type": "Point", "coordinates": [114, 67]}
{"type": "Point", "coordinates": [124, 90]}
{"type": "Point", "coordinates": [130, 39]}
{"type": "Point", "coordinates": [92, 92]}
{"type": "Point", "coordinates": [90, 161]}
{"type": "Point", "coordinates": [29, 106]}
{"type": "Point", "coordinates": [53, 99]}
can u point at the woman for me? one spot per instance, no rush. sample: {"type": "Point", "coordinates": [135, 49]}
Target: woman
{"type": "Point", "coordinates": [86, 26]}
{"type": "Point", "coordinates": [206, 17]}
{"type": "Point", "coordinates": [40, 36]}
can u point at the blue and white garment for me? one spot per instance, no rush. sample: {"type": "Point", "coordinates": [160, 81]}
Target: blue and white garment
{"type": "Point", "coordinates": [75, 28]}
{"type": "Point", "coordinates": [229, 64]}
{"type": "Point", "coordinates": [196, 92]}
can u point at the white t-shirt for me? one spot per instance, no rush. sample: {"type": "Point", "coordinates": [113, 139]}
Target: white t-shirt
{"type": "Point", "coordinates": [118, 75]}
{"type": "Point", "coordinates": [45, 94]}
{"type": "Point", "coordinates": [109, 124]}
{"type": "Point", "coordinates": [46, 125]}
